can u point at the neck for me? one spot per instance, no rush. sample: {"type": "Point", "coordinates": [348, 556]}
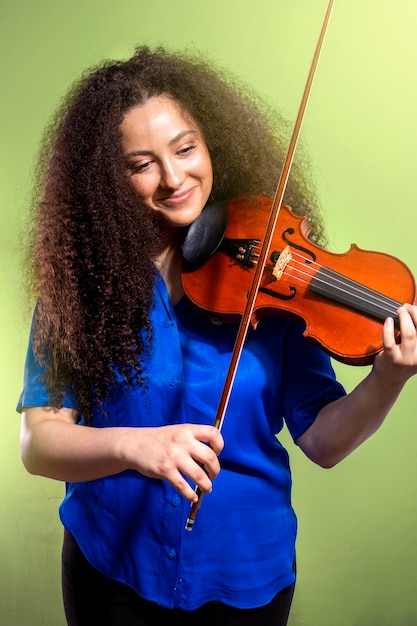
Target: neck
{"type": "Point", "coordinates": [169, 264]}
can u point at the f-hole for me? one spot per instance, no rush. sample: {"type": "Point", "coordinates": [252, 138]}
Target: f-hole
{"type": "Point", "coordinates": [307, 252]}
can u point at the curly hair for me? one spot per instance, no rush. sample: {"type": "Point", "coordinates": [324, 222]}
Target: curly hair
{"type": "Point", "coordinates": [91, 243]}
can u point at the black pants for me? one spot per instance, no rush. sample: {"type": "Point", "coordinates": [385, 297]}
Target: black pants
{"type": "Point", "coordinates": [91, 599]}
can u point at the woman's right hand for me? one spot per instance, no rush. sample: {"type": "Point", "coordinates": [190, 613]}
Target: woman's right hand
{"type": "Point", "coordinates": [173, 452]}
{"type": "Point", "coordinates": [54, 445]}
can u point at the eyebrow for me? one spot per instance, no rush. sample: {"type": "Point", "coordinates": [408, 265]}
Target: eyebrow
{"type": "Point", "coordinates": [178, 137]}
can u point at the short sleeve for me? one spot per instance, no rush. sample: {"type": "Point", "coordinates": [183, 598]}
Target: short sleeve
{"type": "Point", "coordinates": [35, 392]}
{"type": "Point", "coordinates": [309, 382]}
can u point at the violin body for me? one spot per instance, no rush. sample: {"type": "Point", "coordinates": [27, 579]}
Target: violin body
{"type": "Point", "coordinates": [343, 299]}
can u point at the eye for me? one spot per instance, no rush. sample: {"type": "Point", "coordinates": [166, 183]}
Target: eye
{"type": "Point", "coordinates": [186, 150]}
{"type": "Point", "coordinates": [136, 168]}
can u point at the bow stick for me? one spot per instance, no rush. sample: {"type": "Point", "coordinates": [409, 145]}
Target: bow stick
{"type": "Point", "coordinates": [260, 266]}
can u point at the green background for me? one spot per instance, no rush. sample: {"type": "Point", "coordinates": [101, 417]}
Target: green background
{"type": "Point", "coordinates": [357, 547]}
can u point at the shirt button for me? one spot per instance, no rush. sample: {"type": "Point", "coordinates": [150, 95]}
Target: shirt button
{"type": "Point", "coordinates": [174, 380]}
{"type": "Point", "coordinates": [171, 554]}
{"type": "Point", "coordinates": [175, 501]}
{"type": "Point", "coordinates": [167, 323]}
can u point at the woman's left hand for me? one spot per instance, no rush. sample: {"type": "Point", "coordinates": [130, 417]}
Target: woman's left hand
{"type": "Point", "coordinates": [343, 425]}
{"type": "Point", "coordinates": [398, 360]}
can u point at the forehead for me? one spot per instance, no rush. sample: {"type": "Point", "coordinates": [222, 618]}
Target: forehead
{"type": "Point", "coordinates": [159, 118]}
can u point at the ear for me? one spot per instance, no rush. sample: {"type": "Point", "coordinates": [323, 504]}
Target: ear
{"type": "Point", "coordinates": [206, 233]}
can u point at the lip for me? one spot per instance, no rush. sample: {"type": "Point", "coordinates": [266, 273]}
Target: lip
{"type": "Point", "coordinates": [177, 199]}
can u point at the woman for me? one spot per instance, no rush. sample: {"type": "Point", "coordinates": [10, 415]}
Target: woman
{"type": "Point", "coordinates": [123, 373]}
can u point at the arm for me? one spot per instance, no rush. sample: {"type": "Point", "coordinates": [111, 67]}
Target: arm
{"type": "Point", "coordinates": [54, 445]}
{"type": "Point", "coordinates": [345, 424]}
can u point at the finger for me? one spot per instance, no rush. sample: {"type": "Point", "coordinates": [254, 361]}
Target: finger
{"type": "Point", "coordinates": [210, 435]}
{"type": "Point", "coordinates": [402, 349]}
{"type": "Point", "coordinates": [216, 441]}
{"type": "Point", "coordinates": [412, 311]}
{"type": "Point", "coordinates": [197, 474]}
{"type": "Point", "coordinates": [388, 334]}
{"type": "Point", "coordinates": [407, 325]}
{"type": "Point", "coordinates": [207, 459]}
{"type": "Point", "coordinates": [184, 488]}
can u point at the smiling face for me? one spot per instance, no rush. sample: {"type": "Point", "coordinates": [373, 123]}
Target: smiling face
{"type": "Point", "coordinates": [167, 160]}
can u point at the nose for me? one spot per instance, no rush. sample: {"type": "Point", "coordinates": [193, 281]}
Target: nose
{"type": "Point", "coordinates": [172, 174]}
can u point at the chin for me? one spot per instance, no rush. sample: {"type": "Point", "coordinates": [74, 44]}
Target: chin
{"type": "Point", "coordinates": [180, 221]}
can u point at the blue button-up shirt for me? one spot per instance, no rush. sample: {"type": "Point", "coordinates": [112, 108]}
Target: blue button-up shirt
{"type": "Point", "coordinates": [241, 549]}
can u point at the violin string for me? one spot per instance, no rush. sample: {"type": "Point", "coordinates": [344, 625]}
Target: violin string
{"type": "Point", "coordinates": [364, 294]}
{"type": "Point", "coordinates": [338, 281]}
{"type": "Point", "coordinates": [344, 281]}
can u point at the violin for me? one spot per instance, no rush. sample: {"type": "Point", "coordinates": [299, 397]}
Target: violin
{"type": "Point", "coordinates": [343, 299]}
{"type": "Point", "coordinates": [245, 273]}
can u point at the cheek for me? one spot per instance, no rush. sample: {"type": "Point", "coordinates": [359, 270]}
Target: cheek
{"type": "Point", "coordinates": [142, 188]}
{"type": "Point", "coordinates": [207, 169]}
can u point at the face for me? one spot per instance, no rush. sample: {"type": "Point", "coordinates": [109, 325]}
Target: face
{"type": "Point", "coordinates": [167, 160]}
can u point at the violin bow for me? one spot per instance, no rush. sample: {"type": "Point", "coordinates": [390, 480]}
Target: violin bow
{"type": "Point", "coordinates": [260, 266]}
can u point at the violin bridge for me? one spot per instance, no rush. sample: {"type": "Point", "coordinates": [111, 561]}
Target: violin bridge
{"type": "Point", "coordinates": [281, 263]}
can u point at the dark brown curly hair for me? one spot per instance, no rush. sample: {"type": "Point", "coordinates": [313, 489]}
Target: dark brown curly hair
{"type": "Point", "coordinates": [91, 243]}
